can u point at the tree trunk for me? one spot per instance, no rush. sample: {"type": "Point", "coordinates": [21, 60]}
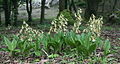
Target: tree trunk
{"type": "Point", "coordinates": [0, 19]}
{"type": "Point", "coordinates": [115, 3]}
{"type": "Point", "coordinates": [103, 6]}
{"type": "Point", "coordinates": [91, 8]}
{"type": "Point", "coordinates": [61, 5]}
{"type": "Point", "coordinates": [42, 11]}
{"type": "Point", "coordinates": [15, 11]}
{"type": "Point", "coordinates": [66, 4]}
{"type": "Point", "coordinates": [29, 11]}
{"type": "Point", "coordinates": [72, 6]}
{"type": "Point", "coordinates": [0, 15]}
{"type": "Point", "coordinates": [7, 7]}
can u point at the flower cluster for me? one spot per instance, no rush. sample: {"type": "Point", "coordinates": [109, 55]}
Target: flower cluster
{"type": "Point", "coordinates": [94, 26]}
{"type": "Point", "coordinates": [59, 24]}
{"type": "Point", "coordinates": [78, 22]}
{"type": "Point", "coordinates": [27, 33]}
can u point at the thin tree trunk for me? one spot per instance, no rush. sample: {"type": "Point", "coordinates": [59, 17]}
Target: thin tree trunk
{"type": "Point", "coordinates": [66, 4]}
{"type": "Point", "coordinates": [115, 3]}
{"type": "Point", "coordinates": [42, 11]}
{"type": "Point", "coordinates": [7, 7]}
{"type": "Point", "coordinates": [103, 6]}
{"type": "Point", "coordinates": [15, 11]}
{"type": "Point", "coordinates": [29, 10]}
{"type": "Point", "coordinates": [72, 6]}
{"type": "Point", "coordinates": [61, 5]}
{"type": "Point", "coordinates": [0, 19]}
{"type": "Point", "coordinates": [87, 11]}
{"type": "Point", "coordinates": [0, 15]}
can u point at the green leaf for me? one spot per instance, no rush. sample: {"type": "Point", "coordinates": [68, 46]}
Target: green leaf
{"type": "Point", "coordinates": [82, 50]}
{"type": "Point", "coordinates": [92, 48]}
{"type": "Point", "coordinates": [7, 42]}
{"type": "Point", "coordinates": [53, 56]}
{"type": "Point", "coordinates": [17, 50]}
{"type": "Point", "coordinates": [11, 45]}
{"type": "Point", "coordinates": [36, 60]}
{"type": "Point", "coordinates": [14, 44]}
{"type": "Point", "coordinates": [107, 47]}
{"type": "Point", "coordinates": [119, 38]}
{"type": "Point", "coordinates": [5, 49]}
{"type": "Point", "coordinates": [37, 53]}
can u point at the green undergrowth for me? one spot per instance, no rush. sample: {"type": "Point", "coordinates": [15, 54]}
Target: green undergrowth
{"type": "Point", "coordinates": [75, 46]}
{"type": "Point", "coordinates": [61, 44]}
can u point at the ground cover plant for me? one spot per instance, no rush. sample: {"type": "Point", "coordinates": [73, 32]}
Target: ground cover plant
{"type": "Point", "coordinates": [74, 46]}
{"type": "Point", "coordinates": [59, 32]}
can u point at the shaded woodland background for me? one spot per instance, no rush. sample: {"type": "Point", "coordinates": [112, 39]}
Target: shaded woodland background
{"type": "Point", "coordinates": [10, 10]}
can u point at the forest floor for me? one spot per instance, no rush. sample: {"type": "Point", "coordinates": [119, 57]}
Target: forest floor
{"type": "Point", "coordinates": [108, 32]}
{"type": "Point", "coordinates": [113, 34]}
